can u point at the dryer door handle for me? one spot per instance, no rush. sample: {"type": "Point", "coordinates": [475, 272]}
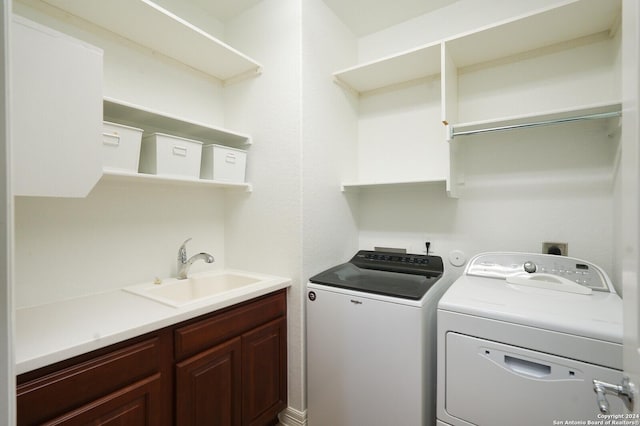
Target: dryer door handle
{"type": "Point", "coordinates": [622, 391]}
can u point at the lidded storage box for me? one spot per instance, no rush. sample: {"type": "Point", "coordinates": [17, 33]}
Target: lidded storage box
{"type": "Point", "coordinates": [223, 164]}
{"type": "Point", "coordinates": [170, 155]}
{"type": "Point", "coordinates": [120, 147]}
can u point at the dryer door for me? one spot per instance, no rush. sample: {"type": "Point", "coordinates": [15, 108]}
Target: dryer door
{"type": "Point", "coordinates": [490, 383]}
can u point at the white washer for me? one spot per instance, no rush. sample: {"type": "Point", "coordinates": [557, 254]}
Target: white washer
{"type": "Point", "coordinates": [371, 335]}
{"type": "Point", "coordinates": [521, 338]}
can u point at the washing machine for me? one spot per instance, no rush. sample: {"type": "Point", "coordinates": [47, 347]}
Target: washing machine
{"type": "Point", "coordinates": [371, 334]}
{"type": "Point", "coordinates": [522, 336]}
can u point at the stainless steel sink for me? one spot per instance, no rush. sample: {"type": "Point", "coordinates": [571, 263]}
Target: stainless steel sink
{"type": "Point", "coordinates": [177, 293]}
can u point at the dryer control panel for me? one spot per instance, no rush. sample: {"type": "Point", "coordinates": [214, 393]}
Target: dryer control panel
{"type": "Point", "coordinates": [503, 265]}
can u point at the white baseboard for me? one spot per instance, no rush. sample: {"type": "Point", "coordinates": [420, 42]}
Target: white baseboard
{"type": "Point", "coordinates": [292, 417]}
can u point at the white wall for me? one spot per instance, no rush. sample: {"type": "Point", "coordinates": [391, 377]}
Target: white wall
{"type": "Point", "coordinates": [263, 230]}
{"type": "Point", "coordinates": [329, 136]}
{"type": "Point", "coordinates": [119, 235]}
{"type": "Point", "coordinates": [400, 135]}
{"type": "Point", "coordinates": [514, 198]}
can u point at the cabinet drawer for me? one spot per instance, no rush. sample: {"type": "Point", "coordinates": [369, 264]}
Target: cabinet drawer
{"type": "Point", "coordinates": [208, 332]}
{"type": "Point", "coordinates": [59, 392]}
{"type": "Point", "coordinates": [137, 404]}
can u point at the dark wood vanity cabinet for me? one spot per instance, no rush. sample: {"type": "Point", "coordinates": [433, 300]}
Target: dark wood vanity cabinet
{"type": "Point", "coordinates": [232, 367]}
{"type": "Point", "coordinates": [227, 368]}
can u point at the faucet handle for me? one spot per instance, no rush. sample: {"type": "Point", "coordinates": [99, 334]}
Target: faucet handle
{"type": "Point", "coordinates": [185, 243]}
{"type": "Point", "coordinates": [182, 251]}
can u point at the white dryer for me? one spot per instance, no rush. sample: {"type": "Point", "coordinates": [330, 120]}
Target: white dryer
{"type": "Point", "coordinates": [521, 337]}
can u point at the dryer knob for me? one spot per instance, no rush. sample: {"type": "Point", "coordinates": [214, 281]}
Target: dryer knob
{"type": "Point", "coordinates": [530, 267]}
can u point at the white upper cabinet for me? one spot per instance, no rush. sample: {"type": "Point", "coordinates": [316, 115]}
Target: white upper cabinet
{"type": "Point", "coordinates": [56, 112]}
{"type": "Point", "coordinates": [150, 25]}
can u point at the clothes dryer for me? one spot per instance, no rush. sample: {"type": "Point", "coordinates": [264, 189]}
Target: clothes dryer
{"type": "Point", "coordinates": [521, 337]}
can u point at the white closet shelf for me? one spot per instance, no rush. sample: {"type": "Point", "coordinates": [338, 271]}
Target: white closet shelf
{"type": "Point", "coordinates": [150, 25]}
{"type": "Point", "coordinates": [556, 24]}
{"type": "Point", "coordinates": [411, 65]}
{"type": "Point", "coordinates": [154, 121]}
{"type": "Point", "coordinates": [603, 110]}
{"type": "Point", "coordinates": [127, 177]}
{"type": "Point", "coordinates": [543, 28]}
{"type": "Point", "coordinates": [356, 186]}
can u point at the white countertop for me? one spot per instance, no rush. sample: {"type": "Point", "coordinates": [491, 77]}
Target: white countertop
{"type": "Point", "coordinates": [54, 332]}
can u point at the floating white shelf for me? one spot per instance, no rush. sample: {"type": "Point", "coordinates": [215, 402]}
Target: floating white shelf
{"type": "Point", "coordinates": [126, 177]}
{"type": "Point", "coordinates": [150, 25]}
{"type": "Point", "coordinates": [356, 186]}
{"type": "Point", "coordinates": [411, 65]}
{"type": "Point", "coordinates": [604, 110]}
{"type": "Point", "coordinates": [556, 24]}
{"type": "Point", "coordinates": [153, 121]}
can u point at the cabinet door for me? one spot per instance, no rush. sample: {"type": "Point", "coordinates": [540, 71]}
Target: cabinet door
{"type": "Point", "coordinates": [56, 112]}
{"type": "Point", "coordinates": [264, 373]}
{"type": "Point", "coordinates": [208, 387]}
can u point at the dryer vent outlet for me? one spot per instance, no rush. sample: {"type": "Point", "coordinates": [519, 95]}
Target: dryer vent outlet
{"type": "Point", "coordinates": [560, 249]}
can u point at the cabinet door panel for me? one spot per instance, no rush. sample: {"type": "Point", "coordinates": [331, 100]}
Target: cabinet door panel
{"type": "Point", "coordinates": [138, 404]}
{"type": "Point", "coordinates": [264, 375]}
{"type": "Point", "coordinates": [208, 387]}
{"type": "Point", "coordinates": [56, 112]}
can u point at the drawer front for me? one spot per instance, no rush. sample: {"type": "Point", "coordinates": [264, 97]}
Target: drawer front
{"type": "Point", "coordinates": [218, 328]}
{"type": "Point", "coordinates": [58, 393]}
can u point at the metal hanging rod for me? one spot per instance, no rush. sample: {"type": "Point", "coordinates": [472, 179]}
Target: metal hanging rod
{"type": "Point", "coordinates": [537, 123]}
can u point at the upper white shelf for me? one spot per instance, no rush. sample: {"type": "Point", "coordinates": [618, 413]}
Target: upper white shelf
{"type": "Point", "coordinates": [153, 121]}
{"type": "Point", "coordinates": [557, 24]}
{"type": "Point", "coordinates": [584, 112]}
{"type": "Point", "coordinates": [148, 24]}
{"type": "Point", "coordinates": [413, 64]}
{"type": "Point", "coordinates": [127, 177]}
{"type": "Point", "coordinates": [569, 21]}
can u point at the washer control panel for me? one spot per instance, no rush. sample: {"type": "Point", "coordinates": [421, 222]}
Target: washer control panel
{"type": "Point", "coordinates": [399, 262]}
{"type": "Point", "coordinates": [503, 265]}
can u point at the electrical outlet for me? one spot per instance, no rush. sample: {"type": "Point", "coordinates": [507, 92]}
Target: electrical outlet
{"type": "Point", "coordinates": [561, 249]}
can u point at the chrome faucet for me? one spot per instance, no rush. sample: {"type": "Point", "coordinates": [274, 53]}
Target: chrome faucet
{"type": "Point", "coordinates": [184, 264]}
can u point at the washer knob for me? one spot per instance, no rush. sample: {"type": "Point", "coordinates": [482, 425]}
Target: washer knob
{"type": "Point", "coordinates": [530, 267]}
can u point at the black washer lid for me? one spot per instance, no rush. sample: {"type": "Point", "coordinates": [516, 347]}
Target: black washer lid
{"type": "Point", "coordinates": [384, 275]}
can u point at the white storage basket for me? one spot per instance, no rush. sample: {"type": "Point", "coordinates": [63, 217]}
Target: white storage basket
{"type": "Point", "coordinates": [170, 155]}
{"type": "Point", "coordinates": [223, 164]}
{"type": "Point", "coordinates": [120, 147]}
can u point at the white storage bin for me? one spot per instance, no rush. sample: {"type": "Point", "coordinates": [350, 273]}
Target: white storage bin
{"type": "Point", "coordinates": [120, 147]}
{"type": "Point", "coordinates": [170, 155]}
{"type": "Point", "coordinates": [223, 164]}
